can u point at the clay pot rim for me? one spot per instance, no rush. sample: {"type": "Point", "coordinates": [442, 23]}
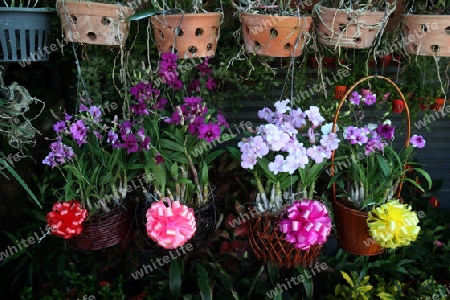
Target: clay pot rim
{"type": "Point", "coordinates": [212, 14]}
{"type": "Point", "coordinates": [278, 21]}
{"type": "Point", "coordinates": [362, 11]}
{"type": "Point", "coordinates": [349, 209]}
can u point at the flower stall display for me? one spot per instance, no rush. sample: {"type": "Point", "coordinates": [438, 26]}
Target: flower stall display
{"type": "Point", "coordinates": [94, 155]}
{"type": "Point", "coordinates": [286, 155]}
{"type": "Point", "coordinates": [184, 131]}
{"type": "Point", "coordinates": [368, 172]}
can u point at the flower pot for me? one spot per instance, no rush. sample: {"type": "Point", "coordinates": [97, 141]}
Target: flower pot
{"type": "Point", "coordinates": [353, 232]}
{"type": "Point", "coordinates": [397, 59]}
{"type": "Point", "coordinates": [312, 62]}
{"type": "Point", "coordinates": [205, 216]}
{"type": "Point", "coordinates": [423, 103]}
{"type": "Point", "coordinates": [438, 104]}
{"type": "Point", "coordinates": [269, 244]}
{"type": "Point", "coordinates": [104, 230]}
{"type": "Point", "coordinates": [398, 106]}
{"type": "Point", "coordinates": [276, 36]}
{"type": "Point", "coordinates": [16, 42]}
{"type": "Point", "coordinates": [365, 92]}
{"type": "Point", "coordinates": [347, 28]}
{"type": "Point", "coordinates": [339, 91]}
{"type": "Point", "coordinates": [94, 23]}
{"type": "Point", "coordinates": [427, 35]}
{"type": "Point", "coordinates": [189, 35]}
{"type": "Point", "coordinates": [329, 62]}
{"type": "Point", "coordinates": [386, 60]}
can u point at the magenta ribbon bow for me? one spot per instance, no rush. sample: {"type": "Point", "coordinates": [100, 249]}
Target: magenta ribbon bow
{"type": "Point", "coordinates": [306, 223]}
{"type": "Point", "coordinates": [170, 226]}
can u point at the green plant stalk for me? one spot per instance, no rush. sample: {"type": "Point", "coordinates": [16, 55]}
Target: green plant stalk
{"type": "Point", "coordinates": [261, 190]}
{"type": "Point", "coordinates": [194, 174]}
{"type": "Point", "coordinates": [311, 190]}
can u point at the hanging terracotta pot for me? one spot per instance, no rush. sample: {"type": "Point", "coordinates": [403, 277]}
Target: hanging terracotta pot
{"type": "Point", "coordinates": [347, 28]}
{"type": "Point", "coordinates": [396, 59]}
{"type": "Point", "coordinates": [312, 62]}
{"type": "Point", "coordinates": [386, 60]}
{"type": "Point", "coordinates": [339, 91]}
{"type": "Point", "coordinates": [276, 36]}
{"type": "Point", "coordinates": [398, 106]}
{"type": "Point", "coordinates": [353, 232]}
{"type": "Point", "coordinates": [423, 103]}
{"type": "Point", "coordinates": [438, 104]}
{"type": "Point", "coordinates": [188, 35]}
{"type": "Point", "coordinates": [329, 62]}
{"type": "Point", "coordinates": [427, 34]}
{"type": "Point", "coordinates": [365, 92]}
{"type": "Point", "coordinates": [94, 23]}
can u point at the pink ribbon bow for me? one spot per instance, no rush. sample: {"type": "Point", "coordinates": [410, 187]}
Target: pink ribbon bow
{"type": "Point", "coordinates": [170, 226]}
{"type": "Point", "coordinates": [66, 219]}
{"type": "Point", "coordinates": [306, 223]}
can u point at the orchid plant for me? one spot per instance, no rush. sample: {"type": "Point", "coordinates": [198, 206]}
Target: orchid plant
{"type": "Point", "coordinates": [184, 131]}
{"type": "Point", "coordinates": [287, 154]}
{"type": "Point", "coordinates": [369, 167]}
{"type": "Point", "coordinates": [95, 156]}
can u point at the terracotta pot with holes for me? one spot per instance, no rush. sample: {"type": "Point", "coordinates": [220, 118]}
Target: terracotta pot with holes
{"type": "Point", "coordinates": [94, 23]}
{"type": "Point", "coordinates": [347, 29]}
{"type": "Point", "coordinates": [427, 35]}
{"type": "Point", "coordinates": [276, 36]}
{"type": "Point", "coordinates": [188, 35]}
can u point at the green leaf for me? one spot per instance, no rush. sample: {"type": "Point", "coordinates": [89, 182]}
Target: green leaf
{"type": "Point", "coordinates": [143, 14]}
{"type": "Point", "coordinates": [383, 165]}
{"type": "Point", "coordinates": [21, 182]}
{"type": "Point", "coordinates": [203, 283]}
{"type": "Point", "coordinates": [168, 144]}
{"type": "Point", "coordinates": [274, 274]}
{"type": "Point", "coordinates": [175, 277]}
{"type": "Point", "coordinates": [235, 153]}
{"type": "Point", "coordinates": [213, 155]}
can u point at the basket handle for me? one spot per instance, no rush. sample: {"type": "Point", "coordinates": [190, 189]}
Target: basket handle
{"type": "Point", "coordinates": [341, 102]}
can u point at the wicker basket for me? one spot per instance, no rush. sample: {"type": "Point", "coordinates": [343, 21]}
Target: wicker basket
{"type": "Point", "coordinates": [269, 244]}
{"type": "Point", "coordinates": [205, 216]}
{"type": "Point", "coordinates": [105, 230]}
{"type": "Point", "coordinates": [351, 224]}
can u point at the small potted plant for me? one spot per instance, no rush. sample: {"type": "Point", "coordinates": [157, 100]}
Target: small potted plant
{"type": "Point", "coordinates": [184, 27]}
{"type": "Point", "coordinates": [351, 24]}
{"type": "Point", "coordinates": [276, 30]}
{"type": "Point", "coordinates": [367, 175]}
{"type": "Point", "coordinates": [102, 22]}
{"type": "Point", "coordinates": [286, 155]}
{"type": "Point", "coordinates": [20, 18]}
{"type": "Point", "coordinates": [95, 155]}
{"type": "Point", "coordinates": [185, 130]}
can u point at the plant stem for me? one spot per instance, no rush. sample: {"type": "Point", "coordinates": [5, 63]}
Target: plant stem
{"type": "Point", "coordinates": [194, 174]}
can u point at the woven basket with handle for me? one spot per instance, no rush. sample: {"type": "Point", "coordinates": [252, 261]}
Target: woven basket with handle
{"type": "Point", "coordinates": [353, 232]}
